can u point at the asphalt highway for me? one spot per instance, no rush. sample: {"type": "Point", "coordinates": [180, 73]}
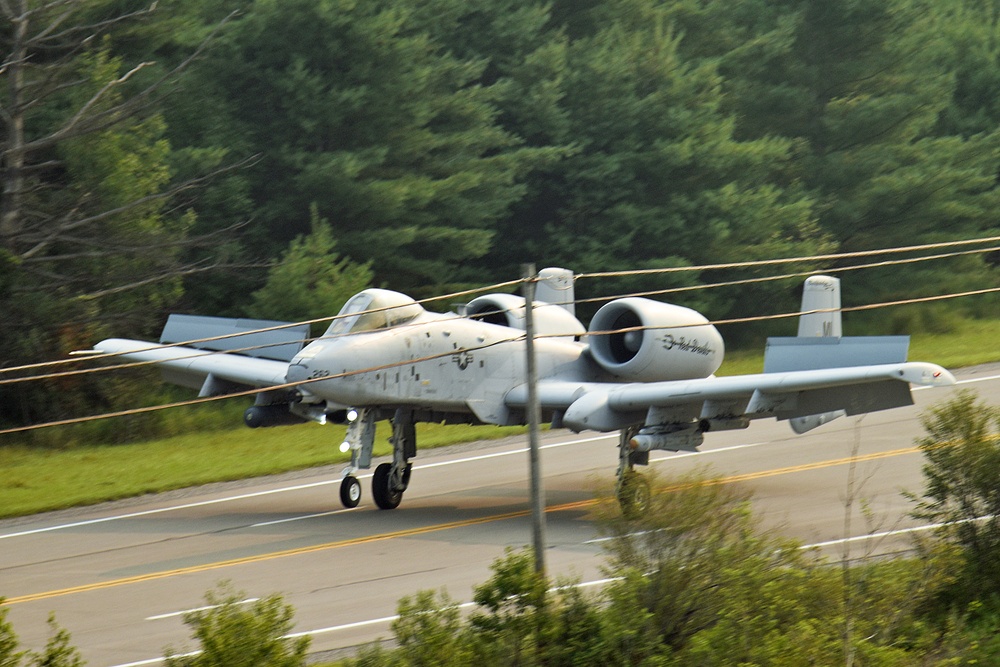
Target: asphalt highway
{"type": "Point", "coordinates": [119, 576]}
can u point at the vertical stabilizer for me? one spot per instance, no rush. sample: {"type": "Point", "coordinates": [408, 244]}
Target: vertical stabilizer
{"type": "Point", "coordinates": [820, 293]}
{"type": "Point", "coordinates": [555, 286]}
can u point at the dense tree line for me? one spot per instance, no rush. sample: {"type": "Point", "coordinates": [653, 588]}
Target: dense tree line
{"type": "Point", "coordinates": [168, 157]}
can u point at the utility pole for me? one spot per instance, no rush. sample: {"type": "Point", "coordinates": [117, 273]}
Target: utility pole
{"type": "Point", "coordinates": [534, 417]}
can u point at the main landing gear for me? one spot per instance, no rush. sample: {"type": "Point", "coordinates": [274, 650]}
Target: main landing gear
{"type": "Point", "coordinates": [390, 480]}
{"type": "Point", "coordinates": [632, 488]}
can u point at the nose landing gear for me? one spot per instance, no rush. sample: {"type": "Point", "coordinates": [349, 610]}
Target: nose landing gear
{"type": "Point", "coordinates": [390, 479]}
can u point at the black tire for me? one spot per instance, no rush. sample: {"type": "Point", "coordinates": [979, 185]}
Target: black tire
{"type": "Point", "coordinates": [385, 498]}
{"type": "Point", "coordinates": [350, 491]}
{"type": "Point", "coordinates": [633, 494]}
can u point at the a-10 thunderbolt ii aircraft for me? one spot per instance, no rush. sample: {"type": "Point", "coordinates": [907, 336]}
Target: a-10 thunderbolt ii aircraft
{"type": "Point", "coordinates": [644, 368]}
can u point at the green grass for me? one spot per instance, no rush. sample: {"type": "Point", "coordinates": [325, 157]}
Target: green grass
{"type": "Point", "coordinates": [36, 479]}
{"type": "Point", "coordinates": [972, 342]}
{"type": "Point", "coordinates": [41, 479]}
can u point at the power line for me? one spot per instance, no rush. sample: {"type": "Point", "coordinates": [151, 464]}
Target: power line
{"type": "Point", "coordinates": [674, 290]}
{"type": "Point", "coordinates": [449, 353]}
{"type": "Point", "coordinates": [788, 260]}
{"type": "Point", "coordinates": [788, 276]}
{"type": "Point", "coordinates": [498, 286]}
{"type": "Point", "coordinates": [278, 327]}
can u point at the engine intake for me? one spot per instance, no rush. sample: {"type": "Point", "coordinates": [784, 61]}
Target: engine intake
{"type": "Point", "coordinates": [508, 310]}
{"type": "Point", "coordinates": [643, 340]}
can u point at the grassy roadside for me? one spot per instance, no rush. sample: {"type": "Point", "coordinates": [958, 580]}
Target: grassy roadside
{"type": "Point", "coordinates": [37, 479]}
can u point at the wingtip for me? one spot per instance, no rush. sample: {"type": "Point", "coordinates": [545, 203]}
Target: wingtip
{"type": "Point", "coordinates": [928, 375]}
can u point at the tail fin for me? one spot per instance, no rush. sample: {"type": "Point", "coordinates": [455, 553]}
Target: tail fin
{"type": "Point", "coordinates": [555, 286]}
{"type": "Point", "coordinates": [820, 308]}
{"type": "Point", "coordinates": [820, 344]}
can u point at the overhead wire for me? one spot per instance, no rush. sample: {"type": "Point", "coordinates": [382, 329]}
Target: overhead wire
{"type": "Point", "coordinates": [507, 284]}
{"type": "Point", "coordinates": [787, 260]}
{"type": "Point", "coordinates": [252, 348]}
{"type": "Point", "coordinates": [453, 352]}
{"type": "Point", "coordinates": [278, 327]}
{"type": "Point", "coordinates": [204, 351]}
{"type": "Point", "coordinates": [788, 276]}
{"type": "Point", "coordinates": [512, 283]}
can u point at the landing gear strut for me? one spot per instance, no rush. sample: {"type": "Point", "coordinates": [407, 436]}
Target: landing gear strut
{"type": "Point", "coordinates": [391, 479]}
{"type": "Point", "coordinates": [360, 439]}
{"type": "Point", "coordinates": [632, 488]}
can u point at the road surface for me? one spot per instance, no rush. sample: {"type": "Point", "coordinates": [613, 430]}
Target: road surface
{"type": "Point", "coordinates": [119, 576]}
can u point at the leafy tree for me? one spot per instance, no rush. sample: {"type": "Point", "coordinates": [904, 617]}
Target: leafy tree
{"type": "Point", "coordinates": [58, 651]}
{"type": "Point", "coordinates": [514, 605]}
{"type": "Point", "coordinates": [962, 489]}
{"type": "Point", "coordinates": [971, 28]}
{"type": "Point", "coordinates": [88, 234]}
{"type": "Point", "coordinates": [310, 280]}
{"type": "Point", "coordinates": [658, 176]}
{"type": "Point", "coordinates": [353, 106]}
{"type": "Point", "coordinates": [232, 634]}
{"type": "Point", "coordinates": [862, 88]}
{"type": "Point", "coordinates": [701, 555]}
{"type": "Point", "coordinates": [429, 632]}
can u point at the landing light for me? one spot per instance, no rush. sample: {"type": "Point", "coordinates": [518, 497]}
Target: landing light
{"type": "Point", "coordinates": [345, 446]}
{"type": "Point", "coordinates": [352, 415]}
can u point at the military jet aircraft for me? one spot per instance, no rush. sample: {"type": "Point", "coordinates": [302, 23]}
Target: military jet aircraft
{"type": "Point", "coordinates": [644, 368]}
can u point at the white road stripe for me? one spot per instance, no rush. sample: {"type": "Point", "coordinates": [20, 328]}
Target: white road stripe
{"type": "Point", "coordinates": [172, 614]}
{"type": "Point", "coordinates": [256, 494]}
{"type": "Point", "coordinates": [348, 626]}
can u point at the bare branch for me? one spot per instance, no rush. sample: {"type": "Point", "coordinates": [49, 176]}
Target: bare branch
{"type": "Point", "coordinates": [55, 23]}
{"type": "Point", "coordinates": [176, 273]}
{"type": "Point", "coordinates": [5, 7]}
{"type": "Point", "coordinates": [62, 132]}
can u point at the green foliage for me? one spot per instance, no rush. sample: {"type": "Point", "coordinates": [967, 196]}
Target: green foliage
{"type": "Point", "coordinates": [58, 652]}
{"type": "Point", "coordinates": [96, 244]}
{"type": "Point", "coordinates": [9, 655]}
{"type": "Point", "coordinates": [514, 605]}
{"type": "Point", "coordinates": [233, 634]}
{"type": "Point", "coordinates": [697, 581]}
{"type": "Point", "coordinates": [962, 488]}
{"type": "Point", "coordinates": [356, 108]}
{"type": "Point", "coordinates": [862, 87]}
{"type": "Point", "coordinates": [703, 558]}
{"type": "Point", "coordinates": [311, 280]}
{"type": "Point", "coordinates": [429, 631]}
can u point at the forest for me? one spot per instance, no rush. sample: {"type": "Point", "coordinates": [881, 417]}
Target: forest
{"type": "Point", "coordinates": [268, 158]}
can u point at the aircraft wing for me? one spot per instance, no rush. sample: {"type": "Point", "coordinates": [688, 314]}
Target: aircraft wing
{"type": "Point", "coordinates": [728, 402]}
{"type": "Point", "coordinates": [213, 373]}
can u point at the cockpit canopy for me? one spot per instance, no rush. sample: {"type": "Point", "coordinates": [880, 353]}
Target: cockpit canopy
{"type": "Point", "coordinates": [374, 309]}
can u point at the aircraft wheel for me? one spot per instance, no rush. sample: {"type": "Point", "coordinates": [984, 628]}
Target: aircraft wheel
{"type": "Point", "coordinates": [385, 497]}
{"type": "Point", "coordinates": [633, 494]}
{"type": "Point", "coordinates": [350, 491]}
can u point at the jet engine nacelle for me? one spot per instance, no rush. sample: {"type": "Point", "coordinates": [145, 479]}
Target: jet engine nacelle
{"type": "Point", "coordinates": [508, 310]}
{"type": "Point", "coordinates": [642, 340]}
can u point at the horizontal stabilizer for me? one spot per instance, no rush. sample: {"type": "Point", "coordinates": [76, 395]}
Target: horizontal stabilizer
{"type": "Point", "coordinates": [278, 345]}
{"type": "Point", "coordinates": [809, 354]}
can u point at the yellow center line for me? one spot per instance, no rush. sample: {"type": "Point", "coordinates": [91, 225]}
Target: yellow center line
{"type": "Point", "coordinates": [423, 530]}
